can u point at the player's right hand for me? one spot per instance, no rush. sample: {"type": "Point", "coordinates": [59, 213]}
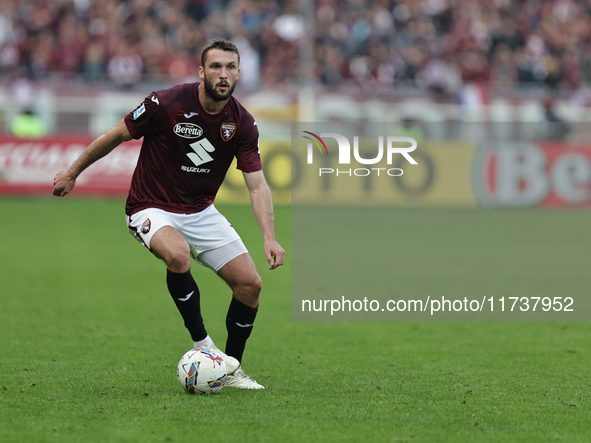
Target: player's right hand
{"type": "Point", "coordinates": [63, 183]}
{"type": "Point", "coordinates": [275, 254]}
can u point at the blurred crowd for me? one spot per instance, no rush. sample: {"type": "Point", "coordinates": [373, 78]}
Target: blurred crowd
{"type": "Point", "coordinates": [443, 44]}
{"type": "Point", "coordinates": [438, 45]}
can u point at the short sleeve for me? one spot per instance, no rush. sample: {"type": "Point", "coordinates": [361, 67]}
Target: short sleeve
{"type": "Point", "coordinates": [148, 118]}
{"type": "Point", "coordinates": [248, 155]}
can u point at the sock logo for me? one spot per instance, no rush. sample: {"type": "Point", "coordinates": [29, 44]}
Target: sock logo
{"type": "Point", "coordinates": [247, 325]}
{"type": "Point", "coordinates": [187, 297]}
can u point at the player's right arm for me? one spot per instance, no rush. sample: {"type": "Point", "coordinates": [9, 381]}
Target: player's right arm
{"type": "Point", "coordinates": [64, 181]}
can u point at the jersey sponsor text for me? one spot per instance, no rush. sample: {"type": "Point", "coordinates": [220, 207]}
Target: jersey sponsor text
{"type": "Point", "coordinates": [192, 169]}
{"type": "Point", "coordinates": [187, 130]}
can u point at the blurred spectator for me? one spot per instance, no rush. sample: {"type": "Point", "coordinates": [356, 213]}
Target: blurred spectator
{"type": "Point", "coordinates": [507, 35]}
{"type": "Point", "coordinates": [413, 61]}
{"type": "Point", "coordinates": [442, 77]}
{"type": "Point", "coordinates": [557, 129]}
{"type": "Point", "coordinates": [94, 62]}
{"type": "Point", "coordinates": [125, 68]}
{"type": "Point", "coordinates": [434, 44]}
{"type": "Point", "coordinates": [28, 125]}
{"type": "Point", "coordinates": [410, 128]}
{"type": "Point", "coordinates": [249, 64]}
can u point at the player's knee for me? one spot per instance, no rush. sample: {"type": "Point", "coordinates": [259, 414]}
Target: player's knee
{"type": "Point", "coordinates": [178, 261]}
{"type": "Point", "coordinates": [251, 288]}
{"type": "Point", "coordinates": [256, 285]}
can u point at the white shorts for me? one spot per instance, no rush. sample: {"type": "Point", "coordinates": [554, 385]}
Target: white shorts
{"type": "Point", "coordinates": [212, 239]}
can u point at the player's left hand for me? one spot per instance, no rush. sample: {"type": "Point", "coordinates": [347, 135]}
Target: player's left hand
{"type": "Point", "coordinates": [274, 253]}
{"type": "Point", "coordinates": [63, 183]}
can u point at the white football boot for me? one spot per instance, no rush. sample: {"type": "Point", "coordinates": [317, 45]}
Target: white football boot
{"type": "Point", "coordinates": [242, 381]}
{"type": "Point", "coordinates": [232, 364]}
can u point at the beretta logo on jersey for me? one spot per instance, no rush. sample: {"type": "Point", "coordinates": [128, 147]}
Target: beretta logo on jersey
{"type": "Point", "coordinates": [227, 131]}
{"type": "Point", "coordinates": [187, 130]}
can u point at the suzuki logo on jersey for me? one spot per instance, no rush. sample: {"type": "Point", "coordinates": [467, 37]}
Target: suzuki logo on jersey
{"type": "Point", "coordinates": [187, 130]}
{"type": "Point", "coordinates": [201, 155]}
{"type": "Point", "coordinates": [191, 169]}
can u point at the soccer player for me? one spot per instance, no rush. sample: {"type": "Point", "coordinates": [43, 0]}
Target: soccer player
{"type": "Point", "coordinates": [192, 132]}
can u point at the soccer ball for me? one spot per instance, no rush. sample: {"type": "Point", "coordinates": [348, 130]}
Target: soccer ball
{"type": "Point", "coordinates": [202, 370]}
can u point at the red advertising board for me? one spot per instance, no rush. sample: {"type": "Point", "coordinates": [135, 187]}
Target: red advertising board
{"type": "Point", "coordinates": [544, 174]}
{"type": "Point", "coordinates": [27, 167]}
{"type": "Point", "coordinates": [506, 174]}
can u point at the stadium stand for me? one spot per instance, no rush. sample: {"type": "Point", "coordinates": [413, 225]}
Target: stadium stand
{"type": "Point", "coordinates": [429, 44]}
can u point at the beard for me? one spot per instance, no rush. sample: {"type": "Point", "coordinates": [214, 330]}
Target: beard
{"type": "Point", "coordinates": [214, 94]}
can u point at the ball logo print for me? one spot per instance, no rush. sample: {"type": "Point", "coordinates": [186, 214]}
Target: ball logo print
{"type": "Point", "coordinates": [219, 383]}
{"type": "Point", "coordinates": [215, 358]}
{"type": "Point", "coordinates": [203, 371]}
{"type": "Point", "coordinates": [192, 369]}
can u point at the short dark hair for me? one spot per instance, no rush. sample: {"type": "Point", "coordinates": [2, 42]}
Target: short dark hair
{"type": "Point", "coordinates": [221, 44]}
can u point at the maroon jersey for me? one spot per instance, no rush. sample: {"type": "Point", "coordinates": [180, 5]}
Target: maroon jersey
{"type": "Point", "coordinates": [186, 152]}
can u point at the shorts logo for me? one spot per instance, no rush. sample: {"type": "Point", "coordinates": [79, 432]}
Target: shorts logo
{"type": "Point", "coordinates": [146, 226]}
{"type": "Point", "coordinates": [227, 131]}
{"type": "Point", "coordinates": [139, 111]}
{"type": "Point", "coordinates": [187, 130]}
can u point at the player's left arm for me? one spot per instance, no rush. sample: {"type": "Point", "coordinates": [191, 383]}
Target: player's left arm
{"type": "Point", "coordinates": [262, 206]}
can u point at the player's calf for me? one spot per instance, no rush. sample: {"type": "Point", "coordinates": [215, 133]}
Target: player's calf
{"type": "Point", "coordinates": [185, 293]}
{"type": "Point", "coordinates": [239, 324]}
{"type": "Point", "coordinates": [240, 274]}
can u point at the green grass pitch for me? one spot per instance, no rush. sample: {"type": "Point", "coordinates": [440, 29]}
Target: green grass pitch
{"type": "Point", "coordinates": [89, 342]}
